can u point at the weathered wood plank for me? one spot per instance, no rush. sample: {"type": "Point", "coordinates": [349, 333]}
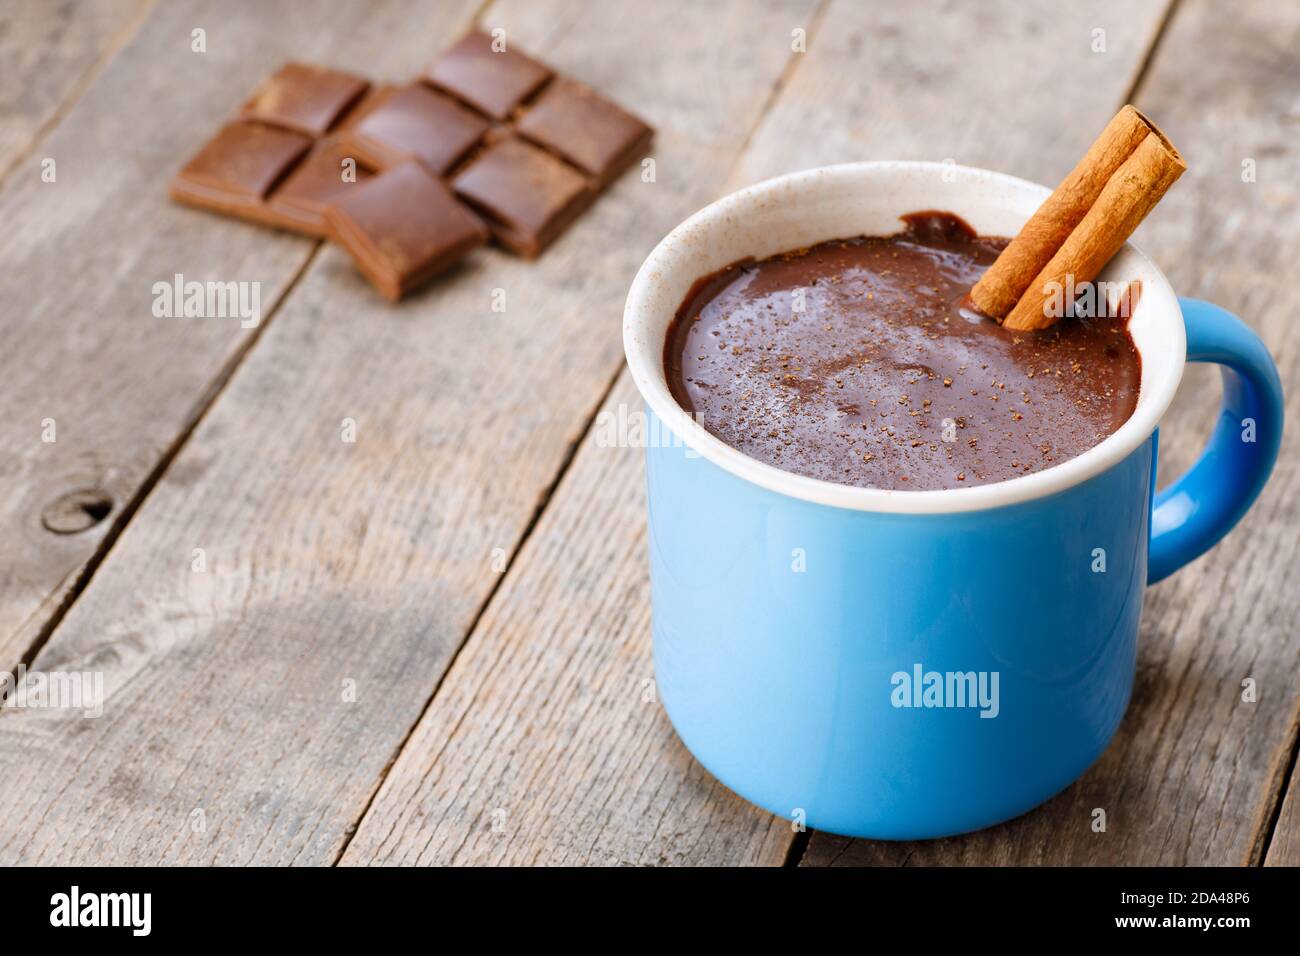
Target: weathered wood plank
{"type": "Point", "coordinates": [1196, 772]}
{"type": "Point", "coordinates": [1284, 848]}
{"type": "Point", "coordinates": [335, 567]}
{"type": "Point", "coordinates": [49, 53]}
{"type": "Point", "coordinates": [540, 746]}
{"type": "Point", "coordinates": [83, 350]}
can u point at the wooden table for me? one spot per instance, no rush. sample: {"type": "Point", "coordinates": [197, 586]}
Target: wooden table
{"type": "Point", "coordinates": [432, 644]}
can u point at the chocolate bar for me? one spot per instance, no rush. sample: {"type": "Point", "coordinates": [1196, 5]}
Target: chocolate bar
{"type": "Point", "coordinates": [400, 176]}
{"type": "Point", "coordinates": [402, 227]}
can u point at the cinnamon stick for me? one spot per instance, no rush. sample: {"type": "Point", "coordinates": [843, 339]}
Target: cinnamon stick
{"type": "Point", "coordinates": [1085, 221]}
{"type": "Point", "coordinates": [1130, 194]}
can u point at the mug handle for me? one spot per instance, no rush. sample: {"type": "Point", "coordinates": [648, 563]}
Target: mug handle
{"type": "Point", "coordinates": [1198, 509]}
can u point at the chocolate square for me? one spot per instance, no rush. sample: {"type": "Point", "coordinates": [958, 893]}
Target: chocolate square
{"type": "Point", "coordinates": [416, 123]}
{"type": "Point", "coordinates": [494, 83]}
{"type": "Point", "coordinates": [403, 227]}
{"type": "Point", "coordinates": [299, 202]}
{"type": "Point", "coordinates": [304, 98]}
{"type": "Point", "coordinates": [235, 170]}
{"type": "Point", "coordinates": [579, 124]}
{"type": "Point", "coordinates": [527, 195]}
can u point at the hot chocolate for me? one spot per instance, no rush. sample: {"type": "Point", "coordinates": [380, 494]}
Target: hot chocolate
{"type": "Point", "coordinates": [855, 362]}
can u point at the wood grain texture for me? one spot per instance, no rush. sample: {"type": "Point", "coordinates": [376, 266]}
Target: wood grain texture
{"type": "Point", "coordinates": [1017, 89]}
{"type": "Point", "coordinates": [1195, 773]}
{"type": "Point", "coordinates": [336, 568]}
{"type": "Point", "coordinates": [49, 53]}
{"type": "Point", "coordinates": [539, 746]}
{"type": "Point", "coordinates": [83, 348]}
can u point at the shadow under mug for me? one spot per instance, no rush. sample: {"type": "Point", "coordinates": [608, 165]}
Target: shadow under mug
{"type": "Point", "coordinates": [907, 665]}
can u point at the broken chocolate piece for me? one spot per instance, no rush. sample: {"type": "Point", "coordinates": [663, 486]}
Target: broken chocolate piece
{"type": "Point", "coordinates": [415, 123]}
{"type": "Point", "coordinates": [403, 227]}
{"type": "Point", "coordinates": [492, 81]}
{"type": "Point", "coordinates": [235, 170]}
{"type": "Point", "coordinates": [527, 195]}
{"type": "Point", "coordinates": [580, 125]}
{"type": "Point", "coordinates": [307, 99]}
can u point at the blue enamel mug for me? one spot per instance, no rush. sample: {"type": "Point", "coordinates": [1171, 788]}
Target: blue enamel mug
{"type": "Point", "coordinates": [916, 664]}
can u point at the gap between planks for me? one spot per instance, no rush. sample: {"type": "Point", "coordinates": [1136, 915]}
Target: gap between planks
{"type": "Point", "coordinates": [1153, 47]}
{"type": "Point", "coordinates": [1286, 790]}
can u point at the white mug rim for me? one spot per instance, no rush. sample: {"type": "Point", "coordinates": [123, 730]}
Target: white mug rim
{"type": "Point", "coordinates": [1159, 335]}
